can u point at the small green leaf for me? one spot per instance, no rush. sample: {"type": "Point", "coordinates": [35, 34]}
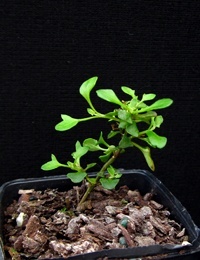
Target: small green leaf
{"type": "Point", "coordinates": [104, 158]}
{"type": "Point", "coordinates": [146, 115]}
{"type": "Point", "coordinates": [111, 148]}
{"type": "Point", "coordinates": [159, 104]}
{"type": "Point", "coordinates": [89, 166]}
{"type": "Point", "coordinates": [147, 155]}
{"type": "Point", "coordinates": [109, 95]}
{"type": "Point", "coordinates": [67, 123]}
{"type": "Point", "coordinates": [112, 134]}
{"type": "Point", "coordinates": [101, 174]}
{"type": "Point", "coordinates": [92, 144]}
{"type": "Point", "coordinates": [111, 170]}
{"type": "Point", "coordinates": [91, 111]}
{"type": "Point", "coordinates": [113, 173]}
{"type": "Point", "coordinates": [102, 141]}
{"type": "Point", "coordinates": [141, 105]}
{"type": "Point", "coordinates": [125, 142]}
{"type": "Point", "coordinates": [158, 121]}
{"type": "Point", "coordinates": [111, 115]}
{"type": "Point", "coordinates": [125, 116]}
{"type": "Point", "coordinates": [133, 103]}
{"type": "Point", "coordinates": [132, 129]}
{"type": "Point", "coordinates": [156, 140]}
{"type": "Point", "coordinates": [76, 177]}
{"type": "Point", "coordinates": [51, 165]}
{"type": "Point", "coordinates": [146, 97]}
{"type": "Point", "coordinates": [123, 124]}
{"type": "Point", "coordinates": [91, 180]}
{"type": "Point", "coordinates": [71, 165]}
{"type": "Point", "coordinates": [86, 88]}
{"type": "Point", "coordinates": [129, 91]}
{"type": "Point", "coordinates": [109, 184]}
{"type": "Point", "coordinates": [80, 151]}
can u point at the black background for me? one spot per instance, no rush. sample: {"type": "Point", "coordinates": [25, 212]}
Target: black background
{"type": "Point", "coordinates": [50, 47]}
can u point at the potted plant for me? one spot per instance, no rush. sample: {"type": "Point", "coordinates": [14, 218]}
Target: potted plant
{"type": "Point", "coordinates": [110, 214]}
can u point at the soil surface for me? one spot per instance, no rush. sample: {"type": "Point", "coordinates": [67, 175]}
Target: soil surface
{"type": "Point", "coordinates": [46, 224]}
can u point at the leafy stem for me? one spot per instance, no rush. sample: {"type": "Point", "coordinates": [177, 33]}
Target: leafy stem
{"type": "Point", "coordinates": [131, 120]}
{"type": "Point", "coordinates": [101, 173]}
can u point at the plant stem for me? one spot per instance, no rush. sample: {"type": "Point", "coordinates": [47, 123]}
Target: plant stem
{"type": "Point", "coordinates": [99, 175]}
{"type": "Point", "coordinates": [97, 116]}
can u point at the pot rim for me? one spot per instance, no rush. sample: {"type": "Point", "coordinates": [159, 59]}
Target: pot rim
{"type": "Point", "coordinates": [158, 187]}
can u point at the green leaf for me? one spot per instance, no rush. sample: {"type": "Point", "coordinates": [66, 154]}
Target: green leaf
{"type": "Point", "coordinates": [111, 148]}
{"type": "Point", "coordinates": [91, 111]}
{"type": "Point", "coordinates": [80, 151]}
{"type": "Point", "coordinates": [104, 158]}
{"type": "Point", "coordinates": [71, 165]}
{"type": "Point", "coordinates": [159, 104]}
{"type": "Point", "coordinates": [102, 141]}
{"type": "Point", "coordinates": [113, 173]}
{"type": "Point", "coordinates": [67, 123]}
{"type": "Point", "coordinates": [125, 115]}
{"type": "Point", "coordinates": [86, 88]}
{"type": "Point", "coordinates": [112, 134]}
{"type": "Point", "coordinates": [123, 124]}
{"type": "Point", "coordinates": [109, 95]}
{"type": "Point", "coordinates": [51, 165]}
{"type": "Point", "coordinates": [146, 97]}
{"type": "Point", "coordinates": [147, 155]}
{"type": "Point", "coordinates": [156, 140]}
{"type": "Point", "coordinates": [147, 117]}
{"type": "Point", "coordinates": [92, 144]}
{"type": "Point", "coordinates": [132, 129]}
{"type": "Point", "coordinates": [89, 166]}
{"type": "Point", "coordinates": [158, 121]}
{"type": "Point", "coordinates": [129, 91]}
{"type": "Point", "coordinates": [125, 142]}
{"type": "Point", "coordinates": [91, 180]}
{"type": "Point", "coordinates": [76, 177]}
{"type": "Point", "coordinates": [109, 184]}
{"type": "Point", "coordinates": [133, 103]}
{"type": "Point", "coordinates": [101, 174]}
{"type": "Point", "coordinates": [141, 105]}
{"type": "Point", "coordinates": [111, 115]}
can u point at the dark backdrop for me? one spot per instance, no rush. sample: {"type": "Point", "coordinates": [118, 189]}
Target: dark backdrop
{"type": "Point", "coordinates": [50, 47]}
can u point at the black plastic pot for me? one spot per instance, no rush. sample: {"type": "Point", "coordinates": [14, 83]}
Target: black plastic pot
{"type": "Point", "coordinates": [134, 179]}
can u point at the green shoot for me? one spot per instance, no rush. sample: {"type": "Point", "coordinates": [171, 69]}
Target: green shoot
{"type": "Point", "coordinates": [126, 119]}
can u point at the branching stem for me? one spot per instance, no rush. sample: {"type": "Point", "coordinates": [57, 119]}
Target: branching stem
{"type": "Point", "coordinates": [99, 175]}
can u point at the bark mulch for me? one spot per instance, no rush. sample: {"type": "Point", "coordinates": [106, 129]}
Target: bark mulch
{"type": "Point", "coordinates": [46, 224]}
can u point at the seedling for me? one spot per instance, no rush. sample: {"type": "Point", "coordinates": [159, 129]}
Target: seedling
{"type": "Point", "coordinates": [133, 125]}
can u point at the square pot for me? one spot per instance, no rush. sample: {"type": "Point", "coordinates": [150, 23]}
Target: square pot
{"type": "Point", "coordinates": [142, 180]}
